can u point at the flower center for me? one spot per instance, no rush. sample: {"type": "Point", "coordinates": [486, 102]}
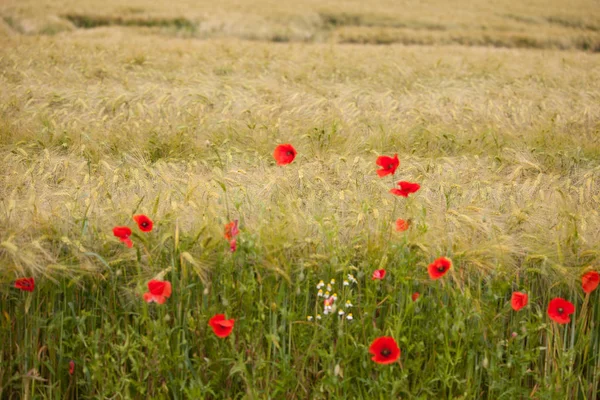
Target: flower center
{"type": "Point", "coordinates": [441, 268]}
{"type": "Point", "coordinates": [144, 224]}
{"type": "Point", "coordinates": [385, 352]}
{"type": "Point", "coordinates": [289, 153]}
{"type": "Point", "coordinates": [560, 310]}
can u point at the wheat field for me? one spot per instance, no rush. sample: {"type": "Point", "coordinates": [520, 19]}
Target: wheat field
{"type": "Point", "coordinates": [110, 109]}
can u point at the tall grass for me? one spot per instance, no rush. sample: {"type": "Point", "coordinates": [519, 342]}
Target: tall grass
{"type": "Point", "coordinates": [95, 128]}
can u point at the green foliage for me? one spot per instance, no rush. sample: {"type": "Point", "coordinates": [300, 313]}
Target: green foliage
{"type": "Point", "coordinates": [458, 339]}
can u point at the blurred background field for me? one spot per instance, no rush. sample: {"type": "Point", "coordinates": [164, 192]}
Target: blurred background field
{"type": "Point", "coordinates": [535, 24]}
{"type": "Point", "coordinates": [173, 109]}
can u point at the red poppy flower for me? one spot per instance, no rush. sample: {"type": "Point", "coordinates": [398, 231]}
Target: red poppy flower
{"type": "Point", "coordinates": [231, 230]}
{"type": "Point", "coordinates": [385, 350]}
{"type": "Point", "coordinates": [25, 284]}
{"type": "Point", "coordinates": [144, 223]}
{"type": "Point", "coordinates": [284, 154]}
{"type": "Point", "coordinates": [560, 309]}
{"type": "Point", "coordinates": [328, 302]}
{"type": "Point", "coordinates": [590, 281]}
{"type": "Point", "coordinates": [415, 296]}
{"type": "Point", "coordinates": [233, 245]}
{"type": "Point", "coordinates": [406, 188]}
{"type": "Point", "coordinates": [439, 267]}
{"type": "Point", "coordinates": [388, 165]}
{"type": "Point", "coordinates": [221, 327]}
{"type": "Point", "coordinates": [402, 225]}
{"type": "Point", "coordinates": [158, 291]}
{"type": "Point", "coordinates": [123, 233]}
{"type": "Point", "coordinates": [378, 274]}
{"type": "Point", "coordinates": [71, 367]}
{"type": "Point", "coordinates": [518, 300]}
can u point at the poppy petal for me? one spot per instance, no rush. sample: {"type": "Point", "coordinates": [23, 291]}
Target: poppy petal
{"type": "Point", "coordinates": [385, 350]}
{"type": "Point", "coordinates": [439, 267]}
{"type": "Point", "coordinates": [559, 310]}
{"type": "Point", "coordinates": [378, 274]}
{"type": "Point", "coordinates": [127, 242]}
{"type": "Point", "coordinates": [590, 281]}
{"type": "Point", "coordinates": [144, 223]}
{"type": "Point", "coordinates": [284, 154]}
{"type": "Point", "coordinates": [518, 300]}
{"type": "Point", "coordinates": [388, 165]}
{"type": "Point", "coordinates": [220, 326]}
{"type": "Point", "coordinates": [159, 288]}
{"type": "Point", "coordinates": [25, 284]}
{"type": "Point", "coordinates": [402, 225]}
{"type": "Point", "coordinates": [122, 232]}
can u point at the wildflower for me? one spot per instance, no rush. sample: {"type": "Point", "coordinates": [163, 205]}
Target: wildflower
{"type": "Point", "coordinates": [385, 350]}
{"type": "Point", "coordinates": [328, 305]}
{"type": "Point", "coordinates": [341, 312]}
{"type": "Point", "coordinates": [327, 294]}
{"type": "Point", "coordinates": [378, 274]}
{"type": "Point", "coordinates": [158, 291]}
{"type": "Point", "coordinates": [559, 310]}
{"type": "Point", "coordinates": [144, 223]}
{"type": "Point", "coordinates": [25, 284]}
{"type": "Point", "coordinates": [351, 278]}
{"type": "Point", "coordinates": [518, 300]}
{"type": "Point", "coordinates": [590, 281]}
{"type": "Point", "coordinates": [318, 317]}
{"type": "Point", "coordinates": [348, 304]}
{"type": "Point", "coordinates": [320, 293]}
{"type": "Point", "coordinates": [320, 284]}
{"type": "Point", "coordinates": [406, 188]}
{"type": "Point", "coordinates": [439, 267]}
{"type": "Point", "coordinates": [71, 367]}
{"type": "Point", "coordinates": [402, 225]}
{"type": "Point", "coordinates": [415, 296]}
{"type": "Point", "coordinates": [329, 288]}
{"type": "Point", "coordinates": [221, 327]}
{"type": "Point", "coordinates": [388, 165]}
{"type": "Point", "coordinates": [346, 283]}
{"type": "Point", "coordinates": [514, 334]}
{"type": "Point", "coordinates": [309, 318]}
{"type": "Point", "coordinates": [334, 296]}
{"type": "Point", "coordinates": [231, 229]}
{"type": "Point", "coordinates": [349, 317]}
{"type": "Point", "coordinates": [284, 154]}
{"type": "Point", "coordinates": [123, 233]}
{"type": "Point", "coordinates": [332, 282]}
